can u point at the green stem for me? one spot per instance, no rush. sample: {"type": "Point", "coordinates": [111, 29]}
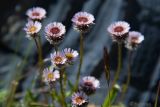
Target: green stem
{"type": "Point", "coordinates": [12, 93]}
{"type": "Point", "coordinates": [35, 104]}
{"type": "Point", "coordinates": [128, 76]}
{"type": "Point", "coordinates": [81, 61]}
{"type": "Point", "coordinates": [119, 63]}
{"type": "Point", "coordinates": [129, 68]}
{"type": "Point", "coordinates": [54, 96]}
{"type": "Point", "coordinates": [65, 80]}
{"type": "Point", "coordinates": [36, 42]}
{"type": "Point", "coordinates": [111, 95]}
{"type": "Point", "coordinates": [156, 101]}
{"type": "Point", "coordinates": [62, 89]}
{"type": "Point", "coordinates": [40, 57]}
{"type": "Point", "coordinates": [56, 47]}
{"type": "Point", "coordinates": [40, 52]}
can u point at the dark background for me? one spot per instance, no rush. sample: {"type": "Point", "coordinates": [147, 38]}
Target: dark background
{"type": "Point", "coordinates": [143, 16]}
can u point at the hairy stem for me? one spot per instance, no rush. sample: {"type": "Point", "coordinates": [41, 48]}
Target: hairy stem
{"type": "Point", "coordinates": [62, 89]}
{"type": "Point", "coordinates": [56, 48]}
{"type": "Point", "coordinates": [119, 63]}
{"type": "Point", "coordinates": [35, 104]}
{"type": "Point", "coordinates": [81, 61]}
{"type": "Point", "coordinates": [12, 93]}
{"type": "Point", "coordinates": [40, 57]}
{"type": "Point", "coordinates": [128, 75]}
{"type": "Point", "coordinates": [110, 97]}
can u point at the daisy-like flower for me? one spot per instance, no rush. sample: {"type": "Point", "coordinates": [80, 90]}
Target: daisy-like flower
{"type": "Point", "coordinates": [119, 30]}
{"type": "Point", "coordinates": [32, 28]}
{"type": "Point", "coordinates": [55, 32]}
{"type": "Point", "coordinates": [82, 21]}
{"type": "Point", "coordinates": [50, 75]}
{"type": "Point", "coordinates": [133, 40]}
{"type": "Point", "coordinates": [36, 13]}
{"type": "Point", "coordinates": [70, 54]}
{"type": "Point", "coordinates": [89, 84]}
{"type": "Point", "coordinates": [79, 99]}
{"type": "Point", "coordinates": [58, 59]}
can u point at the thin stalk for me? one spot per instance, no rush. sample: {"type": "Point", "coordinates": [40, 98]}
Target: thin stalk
{"type": "Point", "coordinates": [81, 60]}
{"type": "Point", "coordinates": [119, 63]}
{"type": "Point", "coordinates": [40, 57]}
{"type": "Point", "coordinates": [35, 104]}
{"type": "Point", "coordinates": [56, 47]}
{"type": "Point", "coordinates": [12, 93]}
{"type": "Point", "coordinates": [54, 96]}
{"type": "Point", "coordinates": [110, 97]}
{"type": "Point", "coordinates": [128, 75]}
{"type": "Point", "coordinates": [62, 89]}
{"type": "Point", "coordinates": [109, 102]}
{"type": "Point", "coordinates": [40, 52]}
{"type": "Point", "coordinates": [65, 80]}
{"type": "Point", "coordinates": [158, 90]}
{"type": "Point", "coordinates": [107, 72]}
{"type": "Point", "coordinates": [36, 42]}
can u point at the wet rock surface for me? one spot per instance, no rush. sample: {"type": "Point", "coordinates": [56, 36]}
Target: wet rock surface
{"type": "Point", "coordinates": [143, 15]}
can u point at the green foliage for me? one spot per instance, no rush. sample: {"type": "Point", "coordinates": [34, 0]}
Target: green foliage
{"type": "Point", "coordinates": [3, 95]}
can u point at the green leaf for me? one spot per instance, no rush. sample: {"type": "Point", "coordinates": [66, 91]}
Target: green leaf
{"type": "Point", "coordinates": [3, 95]}
{"type": "Point", "coordinates": [110, 98]}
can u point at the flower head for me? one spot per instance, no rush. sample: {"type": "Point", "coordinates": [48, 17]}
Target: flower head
{"type": "Point", "coordinates": [70, 54]}
{"type": "Point", "coordinates": [58, 59]}
{"type": "Point", "coordinates": [134, 39]}
{"type": "Point", "coordinates": [50, 75]}
{"type": "Point", "coordinates": [32, 28]}
{"type": "Point", "coordinates": [119, 30]}
{"type": "Point", "coordinates": [55, 32]}
{"type": "Point", "coordinates": [89, 84]}
{"type": "Point", "coordinates": [36, 13]}
{"type": "Point", "coordinates": [79, 99]}
{"type": "Point", "coordinates": [82, 21]}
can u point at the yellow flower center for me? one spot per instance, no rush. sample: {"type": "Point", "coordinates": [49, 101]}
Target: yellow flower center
{"type": "Point", "coordinates": [58, 59]}
{"type": "Point", "coordinates": [50, 76]}
{"type": "Point", "coordinates": [32, 29]}
{"type": "Point", "coordinates": [79, 100]}
{"type": "Point", "coordinates": [69, 56]}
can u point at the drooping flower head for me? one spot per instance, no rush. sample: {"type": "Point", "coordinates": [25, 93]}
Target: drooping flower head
{"type": "Point", "coordinates": [70, 54]}
{"type": "Point", "coordinates": [32, 28]}
{"type": "Point", "coordinates": [82, 21]}
{"type": "Point", "coordinates": [50, 75]}
{"type": "Point", "coordinates": [133, 40]}
{"type": "Point", "coordinates": [58, 59]}
{"type": "Point", "coordinates": [36, 13]}
{"type": "Point", "coordinates": [79, 99]}
{"type": "Point", "coordinates": [89, 84]}
{"type": "Point", "coordinates": [55, 32]}
{"type": "Point", "coordinates": [119, 30]}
